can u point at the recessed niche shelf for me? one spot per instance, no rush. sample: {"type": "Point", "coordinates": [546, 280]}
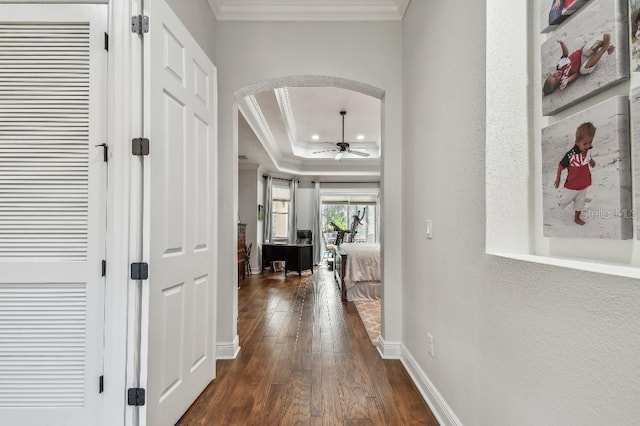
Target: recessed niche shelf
{"type": "Point", "coordinates": [513, 151]}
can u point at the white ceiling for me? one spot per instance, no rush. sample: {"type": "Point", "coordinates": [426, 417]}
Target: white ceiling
{"type": "Point", "coordinates": [283, 121]}
{"type": "Point", "coordinates": [277, 126]}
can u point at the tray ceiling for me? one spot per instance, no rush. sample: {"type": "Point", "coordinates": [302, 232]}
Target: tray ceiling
{"type": "Point", "coordinates": [281, 125]}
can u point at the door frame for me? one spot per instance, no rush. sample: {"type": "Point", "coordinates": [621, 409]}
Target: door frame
{"type": "Point", "coordinates": [123, 212]}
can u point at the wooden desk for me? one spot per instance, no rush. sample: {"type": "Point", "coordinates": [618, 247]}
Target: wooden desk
{"type": "Point", "coordinates": [297, 257]}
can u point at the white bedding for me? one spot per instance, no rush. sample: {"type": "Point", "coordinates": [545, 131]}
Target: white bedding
{"type": "Point", "coordinates": [363, 263]}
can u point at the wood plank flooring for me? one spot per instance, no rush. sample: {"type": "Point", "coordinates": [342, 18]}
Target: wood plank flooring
{"type": "Point", "coordinates": [306, 359]}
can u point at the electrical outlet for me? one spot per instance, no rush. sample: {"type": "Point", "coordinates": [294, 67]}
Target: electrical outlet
{"type": "Point", "coordinates": [429, 229]}
{"type": "Point", "coordinates": [430, 343]}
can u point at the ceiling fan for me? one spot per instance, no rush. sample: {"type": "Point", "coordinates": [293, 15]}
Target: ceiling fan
{"type": "Point", "coordinates": [342, 148]}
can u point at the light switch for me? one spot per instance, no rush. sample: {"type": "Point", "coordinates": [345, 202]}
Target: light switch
{"type": "Point", "coordinates": [429, 229]}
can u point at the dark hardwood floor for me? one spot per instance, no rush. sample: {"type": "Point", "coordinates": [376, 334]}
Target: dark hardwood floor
{"type": "Point", "coordinates": [305, 359]}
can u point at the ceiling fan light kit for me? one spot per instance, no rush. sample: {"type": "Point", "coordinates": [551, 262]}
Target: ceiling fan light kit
{"type": "Point", "coordinates": [342, 147]}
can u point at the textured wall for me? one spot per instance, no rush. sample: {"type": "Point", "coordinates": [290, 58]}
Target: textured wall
{"type": "Point", "coordinates": [516, 343]}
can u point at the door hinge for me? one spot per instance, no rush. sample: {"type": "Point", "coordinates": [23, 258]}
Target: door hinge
{"type": "Point", "coordinates": [101, 385]}
{"type": "Point", "coordinates": [139, 24]}
{"type": "Point", "coordinates": [139, 271]}
{"type": "Point", "coordinates": [104, 268]}
{"type": "Point", "coordinates": [135, 396]}
{"type": "Point", "coordinates": [140, 146]}
{"type": "Point", "coordinates": [105, 151]}
{"type": "Point", "coordinates": [106, 42]}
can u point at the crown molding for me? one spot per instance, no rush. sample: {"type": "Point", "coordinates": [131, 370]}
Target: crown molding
{"type": "Point", "coordinates": [335, 171]}
{"type": "Point", "coordinates": [304, 10]}
{"type": "Point", "coordinates": [258, 123]}
{"type": "Point", "coordinates": [284, 103]}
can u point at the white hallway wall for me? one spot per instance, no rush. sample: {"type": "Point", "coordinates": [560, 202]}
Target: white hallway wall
{"type": "Point", "coordinates": [516, 343]}
{"type": "Point", "coordinates": [250, 52]}
{"type": "Point", "coordinates": [248, 209]}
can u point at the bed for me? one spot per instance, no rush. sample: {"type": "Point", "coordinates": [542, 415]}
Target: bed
{"type": "Point", "coordinates": [357, 271]}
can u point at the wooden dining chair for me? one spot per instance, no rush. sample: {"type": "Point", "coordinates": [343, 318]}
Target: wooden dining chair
{"type": "Point", "coordinates": [247, 261]}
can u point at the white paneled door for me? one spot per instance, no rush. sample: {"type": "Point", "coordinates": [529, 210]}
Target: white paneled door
{"type": "Point", "coordinates": [52, 213]}
{"type": "Point", "coordinates": [180, 195]}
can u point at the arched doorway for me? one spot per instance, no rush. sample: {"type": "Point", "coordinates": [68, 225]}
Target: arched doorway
{"type": "Point", "coordinates": [247, 101]}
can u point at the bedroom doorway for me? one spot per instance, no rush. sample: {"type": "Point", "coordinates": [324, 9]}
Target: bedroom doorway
{"type": "Point", "coordinates": [264, 148]}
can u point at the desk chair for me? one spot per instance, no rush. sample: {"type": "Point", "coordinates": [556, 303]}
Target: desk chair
{"type": "Point", "coordinates": [304, 236]}
{"type": "Point", "coordinates": [329, 247]}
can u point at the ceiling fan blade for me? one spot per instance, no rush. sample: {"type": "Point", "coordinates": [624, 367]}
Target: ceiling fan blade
{"type": "Point", "coordinates": [339, 155]}
{"type": "Point", "coordinates": [324, 150]}
{"type": "Point", "coordinates": [358, 152]}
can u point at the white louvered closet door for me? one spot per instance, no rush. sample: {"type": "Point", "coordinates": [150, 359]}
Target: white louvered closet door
{"type": "Point", "coordinates": [52, 213]}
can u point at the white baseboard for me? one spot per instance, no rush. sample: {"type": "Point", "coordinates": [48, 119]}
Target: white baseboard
{"type": "Point", "coordinates": [228, 350]}
{"type": "Point", "coordinates": [389, 350]}
{"type": "Point", "coordinates": [434, 399]}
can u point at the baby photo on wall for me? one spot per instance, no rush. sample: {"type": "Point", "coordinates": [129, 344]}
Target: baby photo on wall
{"type": "Point", "coordinates": [634, 27]}
{"type": "Point", "coordinates": [555, 12]}
{"type": "Point", "coordinates": [635, 137]}
{"type": "Point", "coordinates": [586, 55]}
{"type": "Point", "coordinates": [586, 173]}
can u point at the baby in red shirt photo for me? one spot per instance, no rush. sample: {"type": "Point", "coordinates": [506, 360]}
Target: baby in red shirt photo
{"type": "Point", "coordinates": [578, 163]}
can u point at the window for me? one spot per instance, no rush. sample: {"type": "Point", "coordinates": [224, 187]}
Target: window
{"type": "Point", "coordinates": [341, 213]}
{"type": "Point", "coordinates": [366, 228]}
{"type": "Point", "coordinates": [280, 213]}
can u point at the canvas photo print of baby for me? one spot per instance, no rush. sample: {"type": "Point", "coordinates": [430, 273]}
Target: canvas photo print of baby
{"type": "Point", "coordinates": [555, 12]}
{"type": "Point", "coordinates": [585, 56]}
{"type": "Point", "coordinates": [586, 174]}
